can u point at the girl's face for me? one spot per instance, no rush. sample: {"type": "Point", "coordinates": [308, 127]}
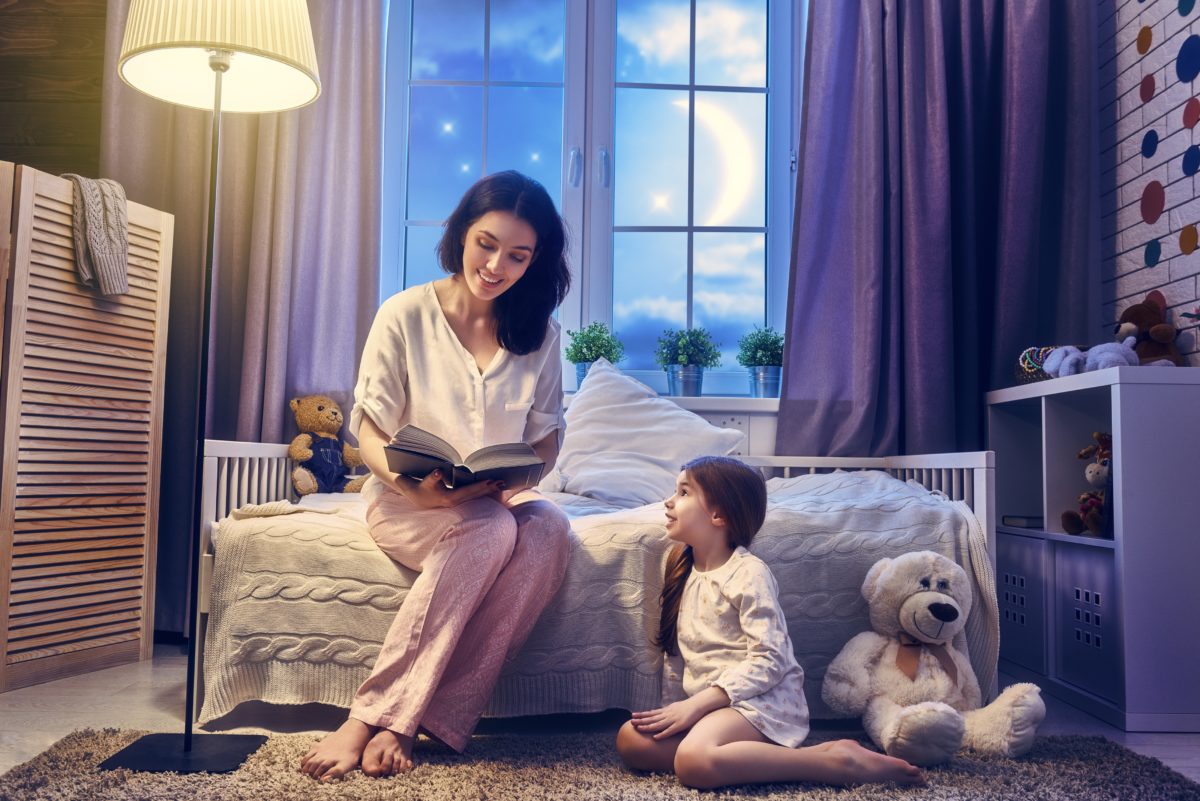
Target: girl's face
{"type": "Point", "coordinates": [496, 253]}
{"type": "Point", "coordinates": [688, 518]}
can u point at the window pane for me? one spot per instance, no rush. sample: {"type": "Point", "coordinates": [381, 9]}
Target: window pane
{"type": "Point", "coordinates": [525, 133]}
{"type": "Point", "coordinates": [653, 41]}
{"type": "Point", "coordinates": [527, 40]}
{"type": "Point", "coordinates": [420, 255]}
{"type": "Point", "coordinates": [447, 40]}
{"type": "Point", "coordinates": [649, 291]}
{"type": "Point", "coordinates": [651, 157]}
{"type": "Point", "coordinates": [730, 144]}
{"type": "Point", "coordinates": [731, 42]}
{"type": "Point", "coordinates": [728, 287]}
{"type": "Point", "coordinates": [445, 154]}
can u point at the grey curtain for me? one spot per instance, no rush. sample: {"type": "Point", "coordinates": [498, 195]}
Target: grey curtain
{"type": "Point", "coordinates": [945, 216]}
{"type": "Point", "coordinates": [296, 273]}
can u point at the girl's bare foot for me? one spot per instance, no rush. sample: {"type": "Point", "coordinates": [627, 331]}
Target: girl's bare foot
{"type": "Point", "coordinates": [339, 753]}
{"type": "Point", "coordinates": [387, 754]}
{"type": "Point", "coordinates": [855, 764]}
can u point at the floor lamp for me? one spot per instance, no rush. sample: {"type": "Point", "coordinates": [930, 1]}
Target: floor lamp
{"type": "Point", "coordinates": [227, 56]}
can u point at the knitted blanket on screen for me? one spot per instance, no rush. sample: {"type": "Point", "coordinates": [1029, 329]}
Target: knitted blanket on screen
{"type": "Point", "coordinates": [301, 602]}
{"type": "Point", "coordinates": [101, 227]}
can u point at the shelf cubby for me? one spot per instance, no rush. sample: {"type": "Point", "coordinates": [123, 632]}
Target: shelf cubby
{"type": "Point", "coordinates": [1104, 622]}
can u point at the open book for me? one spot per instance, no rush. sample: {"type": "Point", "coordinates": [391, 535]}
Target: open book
{"type": "Point", "coordinates": [415, 452]}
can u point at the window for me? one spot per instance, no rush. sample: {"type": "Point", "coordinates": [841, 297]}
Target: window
{"type": "Point", "coordinates": [663, 129]}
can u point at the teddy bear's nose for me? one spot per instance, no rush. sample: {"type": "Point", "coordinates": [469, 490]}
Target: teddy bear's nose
{"type": "Point", "coordinates": [943, 612]}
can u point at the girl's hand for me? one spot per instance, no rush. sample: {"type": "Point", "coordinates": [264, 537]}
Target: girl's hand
{"type": "Point", "coordinates": [669, 720]}
{"type": "Point", "coordinates": [431, 493]}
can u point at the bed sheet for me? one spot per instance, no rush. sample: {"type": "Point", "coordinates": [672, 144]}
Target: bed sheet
{"type": "Point", "coordinates": [301, 602]}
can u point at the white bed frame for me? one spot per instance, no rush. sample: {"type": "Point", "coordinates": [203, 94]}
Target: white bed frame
{"type": "Point", "coordinates": [240, 473]}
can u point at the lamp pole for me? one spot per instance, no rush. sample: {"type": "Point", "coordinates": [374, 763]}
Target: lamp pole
{"type": "Point", "coordinates": [209, 753]}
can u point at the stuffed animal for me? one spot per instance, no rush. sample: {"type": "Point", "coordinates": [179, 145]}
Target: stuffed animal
{"type": "Point", "coordinates": [322, 457]}
{"type": "Point", "coordinates": [1069, 360]}
{"type": "Point", "coordinates": [917, 694]}
{"type": "Point", "coordinates": [1147, 321]}
{"type": "Point", "coordinates": [1090, 516]}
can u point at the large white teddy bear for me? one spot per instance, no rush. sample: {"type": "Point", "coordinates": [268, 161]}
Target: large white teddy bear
{"type": "Point", "coordinates": [917, 694]}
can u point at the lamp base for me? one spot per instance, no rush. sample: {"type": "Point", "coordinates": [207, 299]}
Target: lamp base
{"type": "Point", "coordinates": [163, 753]}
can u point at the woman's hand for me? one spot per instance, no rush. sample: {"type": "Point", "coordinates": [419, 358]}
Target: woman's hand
{"type": "Point", "coordinates": [431, 493]}
{"type": "Point", "coordinates": [669, 720]}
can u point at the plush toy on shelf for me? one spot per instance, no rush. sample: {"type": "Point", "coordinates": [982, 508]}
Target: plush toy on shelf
{"type": "Point", "coordinates": [321, 456]}
{"type": "Point", "coordinates": [1092, 516]}
{"type": "Point", "coordinates": [917, 694]}
{"type": "Point", "coordinates": [1069, 360]}
{"type": "Point", "coordinates": [1143, 338]}
{"type": "Point", "coordinates": [1147, 321]}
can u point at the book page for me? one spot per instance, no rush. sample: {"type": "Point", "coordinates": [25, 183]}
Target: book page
{"type": "Point", "coordinates": [509, 454]}
{"type": "Point", "coordinates": [418, 440]}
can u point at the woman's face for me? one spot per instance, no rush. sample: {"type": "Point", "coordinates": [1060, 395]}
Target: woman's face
{"type": "Point", "coordinates": [497, 251]}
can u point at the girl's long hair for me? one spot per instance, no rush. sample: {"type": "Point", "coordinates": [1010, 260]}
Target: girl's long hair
{"type": "Point", "coordinates": [523, 312]}
{"type": "Point", "coordinates": [738, 494]}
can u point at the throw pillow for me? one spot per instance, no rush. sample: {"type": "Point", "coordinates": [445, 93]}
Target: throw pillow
{"type": "Point", "coordinates": [624, 444]}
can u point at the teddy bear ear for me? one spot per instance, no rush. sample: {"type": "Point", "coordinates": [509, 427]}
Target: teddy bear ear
{"type": "Point", "coordinates": [868, 587]}
{"type": "Point", "coordinates": [1158, 300]}
{"type": "Point", "coordinates": [294, 403]}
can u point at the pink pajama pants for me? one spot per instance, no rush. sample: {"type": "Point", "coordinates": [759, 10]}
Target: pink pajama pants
{"type": "Point", "coordinates": [486, 573]}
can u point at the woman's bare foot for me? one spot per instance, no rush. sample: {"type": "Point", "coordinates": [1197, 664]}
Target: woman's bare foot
{"type": "Point", "coordinates": [387, 754]}
{"type": "Point", "coordinates": [851, 763]}
{"type": "Point", "coordinates": [339, 753]}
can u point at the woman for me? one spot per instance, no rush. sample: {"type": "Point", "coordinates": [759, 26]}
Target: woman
{"type": "Point", "coordinates": [474, 359]}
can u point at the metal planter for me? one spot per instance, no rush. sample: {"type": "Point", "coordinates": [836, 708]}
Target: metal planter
{"type": "Point", "coordinates": [764, 381]}
{"type": "Point", "coordinates": [684, 379]}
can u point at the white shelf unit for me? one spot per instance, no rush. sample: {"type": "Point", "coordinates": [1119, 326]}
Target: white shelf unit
{"type": "Point", "coordinates": [1109, 625]}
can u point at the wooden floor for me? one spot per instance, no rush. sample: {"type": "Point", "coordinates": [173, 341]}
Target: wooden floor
{"type": "Point", "coordinates": [149, 695]}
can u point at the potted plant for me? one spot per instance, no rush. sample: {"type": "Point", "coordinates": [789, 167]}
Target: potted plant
{"type": "Point", "coordinates": [761, 352]}
{"type": "Point", "coordinates": [684, 354]}
{"type": "Point", "coordinates": [593, 341]}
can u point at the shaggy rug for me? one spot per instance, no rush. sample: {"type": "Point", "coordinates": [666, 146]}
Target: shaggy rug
{"type": "Point", "coordinates": [569, 767]}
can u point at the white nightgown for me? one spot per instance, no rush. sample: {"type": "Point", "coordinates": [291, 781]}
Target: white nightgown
{"type": "Point", "coordinates": [732, 634]}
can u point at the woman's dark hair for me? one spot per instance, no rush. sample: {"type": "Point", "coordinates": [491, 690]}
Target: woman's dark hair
{"type": "Point", "coordinates": [524, 310]}
{"type": "Point", "coordinates": [737, 493]}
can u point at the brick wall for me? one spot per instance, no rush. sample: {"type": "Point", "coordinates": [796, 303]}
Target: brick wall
{"type": "Point", "coordinates": [1149, 98]}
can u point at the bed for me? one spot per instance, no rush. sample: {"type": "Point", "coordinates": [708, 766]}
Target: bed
{"type": "Point", "coordinates": [295, 599]}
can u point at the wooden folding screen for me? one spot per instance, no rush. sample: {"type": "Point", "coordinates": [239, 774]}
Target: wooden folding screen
{"type": "Point", "coordinates": [81, 416]}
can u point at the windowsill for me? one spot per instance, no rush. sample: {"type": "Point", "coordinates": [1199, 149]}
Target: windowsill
{"type": "Point", "coordinates": [714, 403]}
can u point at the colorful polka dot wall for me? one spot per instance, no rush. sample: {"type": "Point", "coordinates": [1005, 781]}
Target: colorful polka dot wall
{"type": "Point", "coordinates": [1149, 86]}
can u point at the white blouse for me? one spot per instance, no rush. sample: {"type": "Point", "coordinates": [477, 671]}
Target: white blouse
{"type": "Point", "coordinates": [414, 370]}
{"type": "Point", "coordinates": [732, 634]}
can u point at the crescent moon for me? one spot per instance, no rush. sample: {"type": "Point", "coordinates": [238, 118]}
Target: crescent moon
{"type": "Point", "coordinates": [736, 157]}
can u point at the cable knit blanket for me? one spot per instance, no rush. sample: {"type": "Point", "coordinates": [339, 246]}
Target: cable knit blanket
{"type": "Point", "coordinates": [301, 602]}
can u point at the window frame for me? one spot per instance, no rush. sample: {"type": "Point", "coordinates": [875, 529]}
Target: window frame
{"type": "Point", "coordinates": [587, 158]}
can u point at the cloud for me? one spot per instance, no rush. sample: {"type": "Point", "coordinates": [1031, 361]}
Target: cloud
{"type": "Point", "coordinates": [732, 36]}
{"type": "Point", "coordinates": [729, 257]}
{"type": "Point", "coordinates": [673, 312]}
{"type": "Point", "coordinates": [659, 32]}
{"type": "Point", "coordinates": [528, 30]}
{"type": "Point", "coordinates": [736, 38]}
{"type": "Point", "coordinates": [728, 305]}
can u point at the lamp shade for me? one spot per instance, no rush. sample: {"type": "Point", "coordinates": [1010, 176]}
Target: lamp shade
{"type": "Point", "coordinates": [273, 64]}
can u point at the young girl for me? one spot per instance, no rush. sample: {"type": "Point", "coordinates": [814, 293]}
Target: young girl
{"type": "Point", "coordinates": [742, 716]}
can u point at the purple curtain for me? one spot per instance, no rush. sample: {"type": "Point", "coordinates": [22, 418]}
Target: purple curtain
{"type": "Point", "coordinates": [945, 216]}
{"type": "Point", "coordinates": [296, 279]}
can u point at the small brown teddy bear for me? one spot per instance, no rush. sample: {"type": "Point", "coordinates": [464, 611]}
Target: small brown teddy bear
{"type": "Point", "coordinates": [1090, 516]}
{"type": "Point", "coordinates": [322, 457]}
{"type": "Point", "coordinates": [1147, 321]}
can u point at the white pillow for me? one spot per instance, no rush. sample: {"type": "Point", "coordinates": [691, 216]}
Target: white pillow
{"type": "Point", "coordinates": [624, 444]}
